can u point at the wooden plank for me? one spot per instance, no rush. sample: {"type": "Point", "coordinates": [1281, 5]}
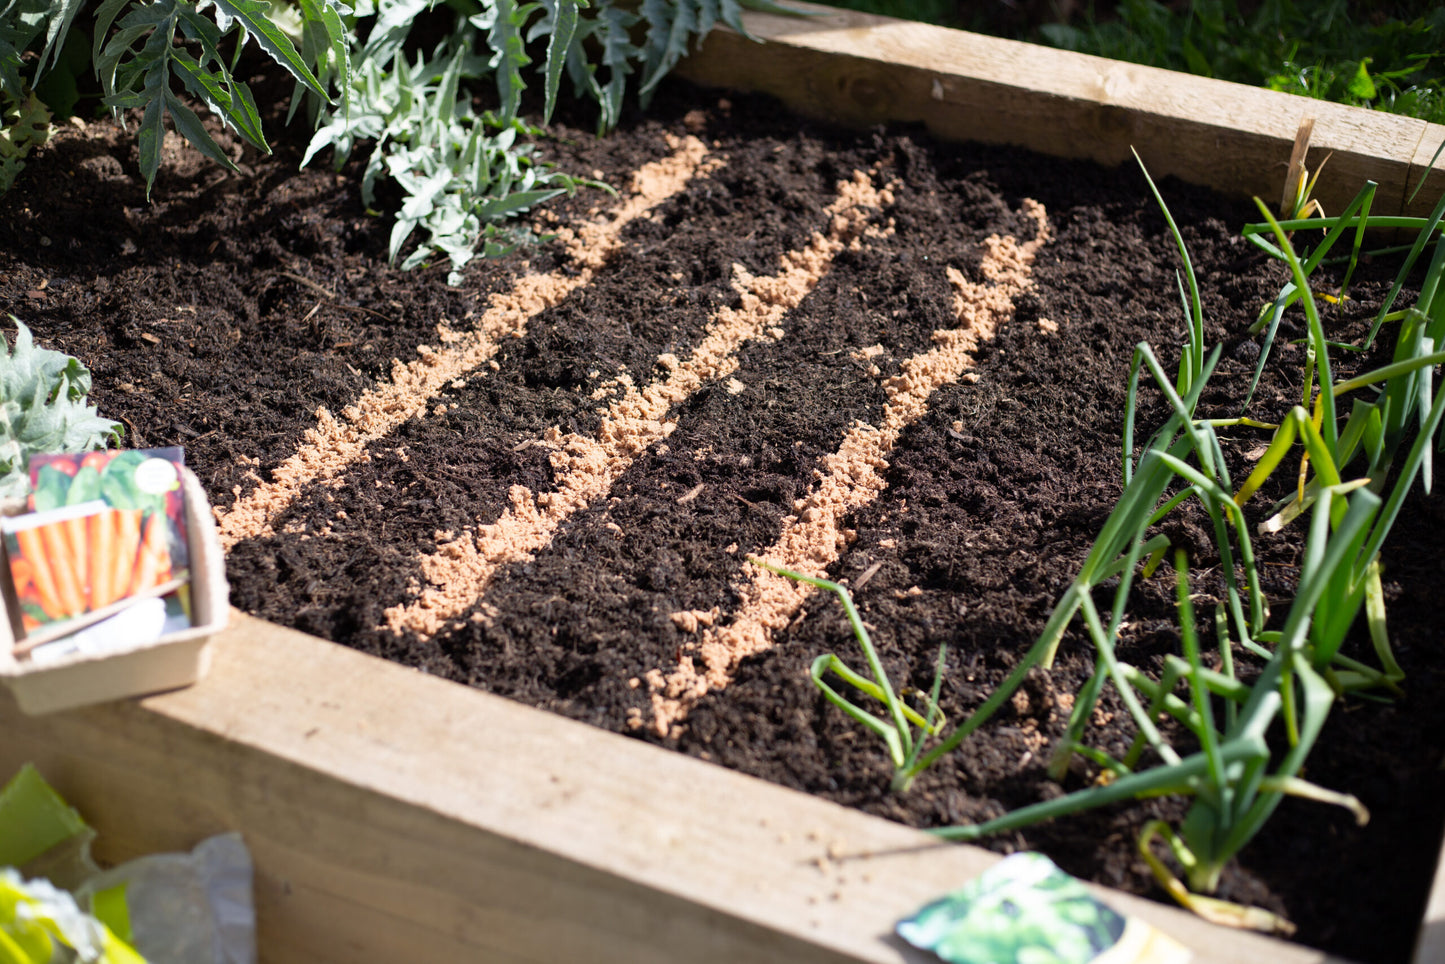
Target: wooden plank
{"type": "Point", "coordinates": [394, 816]}
{"type": "Point", "coordinates": [1429, 164]}
{"type": "Point", "coordinates": [1430, 945]}
{"type": "Point", "coordinates": [857, 69]}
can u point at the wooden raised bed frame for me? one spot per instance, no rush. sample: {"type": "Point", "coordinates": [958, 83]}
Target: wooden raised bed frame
{"type": "Point", "coordinates": [396, 817]}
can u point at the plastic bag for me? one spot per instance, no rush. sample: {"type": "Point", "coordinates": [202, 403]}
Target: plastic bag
{"type": "Point", "coordinates": [193, 908]}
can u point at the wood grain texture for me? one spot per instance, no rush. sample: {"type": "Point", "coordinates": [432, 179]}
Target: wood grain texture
{"type": "Point", "coordinates": [394, 816]}
{"type": "Point", "coordinates": [1430, 945]}
{"type": "Point", "coordinates": [858, 70]}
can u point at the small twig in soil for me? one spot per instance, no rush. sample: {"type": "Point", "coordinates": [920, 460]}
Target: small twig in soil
{"type": "Point", "coordinates": [868, 573]}
{"type": "Point", "coordinates": [319, 289]}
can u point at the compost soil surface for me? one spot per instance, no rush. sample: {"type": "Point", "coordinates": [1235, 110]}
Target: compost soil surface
{"type": "Point", "coordinates": [223, 314]}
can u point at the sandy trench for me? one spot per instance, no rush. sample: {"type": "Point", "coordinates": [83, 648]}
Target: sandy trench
{"type": "Point", "coordinates": [814, 535]}
{"type": "Point", "coordinates": [460, 571]}
{"type": "Point", "coordinates": [462, 568]}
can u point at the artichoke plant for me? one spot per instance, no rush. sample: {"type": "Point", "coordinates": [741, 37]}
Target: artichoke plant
{"type": "Point", "coordinates": [43, 408]}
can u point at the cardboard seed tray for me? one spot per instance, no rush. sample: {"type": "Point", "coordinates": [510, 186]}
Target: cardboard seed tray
{"type": "Point", "coordinates": [174, 660]}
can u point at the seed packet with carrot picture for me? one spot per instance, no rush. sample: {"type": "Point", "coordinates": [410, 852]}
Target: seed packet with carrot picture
{"type": "Point", "coordinates": [107, 532]}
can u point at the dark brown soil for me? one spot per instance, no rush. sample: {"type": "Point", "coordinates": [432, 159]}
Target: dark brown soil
{"type": "Point", "coordinates": [223, 314]}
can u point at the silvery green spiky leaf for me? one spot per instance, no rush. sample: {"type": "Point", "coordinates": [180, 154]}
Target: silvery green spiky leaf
{"type": "Point", "coordinates": [43, 408]}
{"type": "Point", "coordinates": [467, 175]}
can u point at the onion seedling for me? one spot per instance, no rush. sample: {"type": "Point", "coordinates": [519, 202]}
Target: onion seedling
{"type": "Point", "coordinates": [1234, 778]}
{"type": "Point", "coordinates": [1236, 784]}
{"type": "Point", "coordinates": [896, 731]}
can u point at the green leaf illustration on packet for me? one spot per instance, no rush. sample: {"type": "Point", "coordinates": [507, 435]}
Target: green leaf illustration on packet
{"type": "Point", "coordinates": [1025, 910]}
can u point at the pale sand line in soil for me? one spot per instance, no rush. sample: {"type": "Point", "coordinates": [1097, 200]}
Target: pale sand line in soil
{"type": "Point", "coordinates": [814, 536]}
{"type": "Point", "coordinates": [459, 572]}
{"type": "Point", "coordinates": [335, 443]}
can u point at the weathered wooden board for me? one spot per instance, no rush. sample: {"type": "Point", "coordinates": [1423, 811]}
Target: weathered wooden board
{"type": "Point", "coordinates": [1430, 946]}
{"type": "Point", "coordinates": [398, 817]}
{"type": "Point", "coordinates": [859, 69]}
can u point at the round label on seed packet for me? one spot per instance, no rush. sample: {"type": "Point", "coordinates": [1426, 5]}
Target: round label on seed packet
{"type": "Point", "coordinates": [156, 476]}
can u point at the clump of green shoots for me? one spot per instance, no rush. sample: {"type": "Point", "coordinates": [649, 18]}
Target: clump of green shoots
{"type": "Point", "coordinates": [1216, 750]}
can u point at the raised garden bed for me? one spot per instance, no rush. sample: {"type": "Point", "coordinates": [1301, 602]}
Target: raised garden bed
{"type": "Point", "coordinates": [618, 440]}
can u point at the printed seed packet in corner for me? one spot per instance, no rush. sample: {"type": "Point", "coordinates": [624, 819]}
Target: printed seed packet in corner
{"type": "Point", "coordinates": [1025, 910]}
{"type": "Point", "coordinates": [102, 557]}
